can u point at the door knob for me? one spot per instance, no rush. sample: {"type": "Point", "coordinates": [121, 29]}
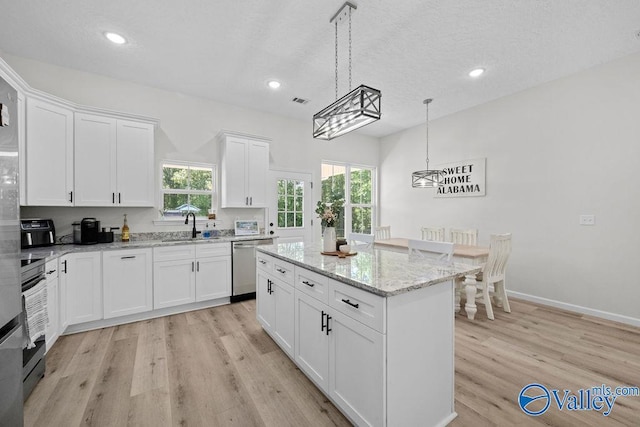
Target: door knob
{"type": "Point", "coordinates": [271, 232]}
{"type": "Point", "coordinates": [270, 224]}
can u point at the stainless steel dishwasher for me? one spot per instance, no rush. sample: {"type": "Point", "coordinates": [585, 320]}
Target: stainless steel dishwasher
{"type": "Point", "coordinates": [244, 268]}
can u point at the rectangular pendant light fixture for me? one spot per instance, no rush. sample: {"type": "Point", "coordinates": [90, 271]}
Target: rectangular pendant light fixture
{"type": "Point", "coordinates": [358, 108]}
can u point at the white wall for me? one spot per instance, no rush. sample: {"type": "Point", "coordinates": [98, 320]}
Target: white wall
{"type": "Point", "coordinates": [566, 148]}
{"type": "Point", "coordinates": [188, 126]}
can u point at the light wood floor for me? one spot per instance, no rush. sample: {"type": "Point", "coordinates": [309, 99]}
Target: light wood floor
{"type": "Point", "coordinates": [217, 367]}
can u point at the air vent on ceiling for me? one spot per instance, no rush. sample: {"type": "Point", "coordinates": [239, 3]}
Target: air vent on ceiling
{"type": "Point", "coordinates": [300, 100]}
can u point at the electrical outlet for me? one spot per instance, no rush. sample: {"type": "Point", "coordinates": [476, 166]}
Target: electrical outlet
{"type": "Point", "coordinates": [587, 220]}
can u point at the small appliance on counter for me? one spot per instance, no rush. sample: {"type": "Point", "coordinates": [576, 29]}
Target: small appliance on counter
{"type": "Point", "coordinates": [86, 231]}
{"type": "Point", "coordinates": [246, 227]}
{"type": "Point", "coordinates": [37, 232]}
{"type": "Point", "coordinates": [105, 236]}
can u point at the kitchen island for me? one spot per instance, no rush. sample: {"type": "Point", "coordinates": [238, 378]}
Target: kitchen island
{"type": "Point", "coordinates": [374, 331]}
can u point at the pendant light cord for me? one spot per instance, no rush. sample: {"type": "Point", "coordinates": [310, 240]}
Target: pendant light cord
{"type": "Point", "coordinates": [349, 49]}
{"type": "Point", "coordinates": [336, 59]}
{"type": "Point", "coordinates": [427, 102]}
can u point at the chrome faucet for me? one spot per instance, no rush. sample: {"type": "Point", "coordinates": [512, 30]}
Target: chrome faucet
{"type": "Point", "coordinates": [186, 221]}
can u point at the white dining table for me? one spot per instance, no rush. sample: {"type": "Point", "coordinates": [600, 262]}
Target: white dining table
{"type": "Point", "coordinates": [468, 254]}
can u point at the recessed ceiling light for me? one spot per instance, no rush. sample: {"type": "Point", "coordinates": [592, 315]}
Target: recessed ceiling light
{"type": "Point", "coordinates": [115, 38]}
{"type": "Point", "coordinates": [477, 72]}
{"type": "Point", "coordinates": [273, 84]}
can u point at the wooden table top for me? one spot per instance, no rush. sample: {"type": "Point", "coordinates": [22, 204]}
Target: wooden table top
{"type": "Point", "coordinates": [466, 251]}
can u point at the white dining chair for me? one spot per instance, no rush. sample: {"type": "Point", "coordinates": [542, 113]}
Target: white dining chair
{"type": "Point", "coordinates": [493, 274]}
{"type": "Point", "coordinates": [383, 232]}
{"type": "Point", "coordinates": [361, 240]}
{"type": "Point", "coordinates": [433, 233]}
{"type": "Point", "coordinates": [463, 237]}
{"type": "Point", "coordinates": [437, 251]}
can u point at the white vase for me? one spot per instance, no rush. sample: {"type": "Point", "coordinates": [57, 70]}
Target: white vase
{"type": "Point", "coordinates": [329, 239]}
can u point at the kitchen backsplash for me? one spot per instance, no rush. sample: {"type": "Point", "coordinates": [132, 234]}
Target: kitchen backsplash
{"type": "Point", "coordinates": [140, 220]}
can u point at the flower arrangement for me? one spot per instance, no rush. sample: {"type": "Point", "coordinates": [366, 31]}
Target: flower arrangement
{"type": "Point", "coordinates": [329, 212]}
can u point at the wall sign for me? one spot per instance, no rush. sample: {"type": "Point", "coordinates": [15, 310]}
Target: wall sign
{"type": "Point", "coordinates": [463, 179]}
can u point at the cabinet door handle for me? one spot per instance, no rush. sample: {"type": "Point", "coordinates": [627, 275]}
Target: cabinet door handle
{"type": "Point", "coordinates": [113, 198]}
{"type": "Point", "coordinates": [119, 198]}
{"type": "Point", "coordinates": [311, 285]}
{"type": "Point", "coordinates": [70, 196]}
{"type": "Point", "coordinates": [328, 328]}
{"type": "Point", "coordinates": [65, 266]}
{"type": "Point", "coordinates": [346, 301]}
{"type": "Point", "coordinates": [250, 201]}
{"type": "Point", "coordinates": [193, 266]}
{"type": "Point", "coordinates": [198, 266]}
{"type": "Point", "coordinates": [128, 257]}
{"type": "Point", "coordinates": [246, 201]}
{"type": "Point", "coordinates": [322, 325]}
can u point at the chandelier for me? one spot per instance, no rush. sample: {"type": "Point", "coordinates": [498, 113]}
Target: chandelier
{"type": "Point", "coordinates": [427, 178]}
{"type": "Point", "coordinates": [357, 108]}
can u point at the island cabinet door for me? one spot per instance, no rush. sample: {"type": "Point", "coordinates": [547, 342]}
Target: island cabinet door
{"type": "Point", "coordinates": [284, 315]}
{"type": "Point", "coordinates": [356, 369]}
{"type": "Point", "coordinates": [312, 339]}
{"type": "Point", "coordinates": [266, 303]}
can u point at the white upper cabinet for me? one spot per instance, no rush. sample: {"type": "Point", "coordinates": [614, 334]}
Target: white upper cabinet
{"type": "Point", "coordinates": [49, 154]}
{"type": "Point", "coordinates": [95, 157]}
{"type": "Point", "coordinates": [113, 161]}
{"type": "Point", "coordinates": [244, 164]}
{"type": "Point", "coordinates": [134, 177]}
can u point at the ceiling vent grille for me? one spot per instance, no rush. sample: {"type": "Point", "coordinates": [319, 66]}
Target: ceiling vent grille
{"type": "Point", "coordinates": [300, 100]}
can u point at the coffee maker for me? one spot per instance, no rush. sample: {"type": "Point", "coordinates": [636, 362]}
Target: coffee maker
{"type": "Point", "coordinates": [86, 231]}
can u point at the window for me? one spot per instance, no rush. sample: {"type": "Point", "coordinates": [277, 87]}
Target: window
{"type": "Point", "coordinates": [186, 187]}
{"type": "Point", "coordinates": [355, 185]}
{"type": "Point", "coordinates": [290, 203]}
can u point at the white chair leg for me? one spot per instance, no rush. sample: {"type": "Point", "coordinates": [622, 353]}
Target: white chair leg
{"type": "Point", "coordinates": [487, 300]}
{"type": "Point", "coordinates": [503, 296]}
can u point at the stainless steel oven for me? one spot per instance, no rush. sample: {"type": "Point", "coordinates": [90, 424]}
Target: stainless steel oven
{"type": "Point", "coordinates": [33, 359]}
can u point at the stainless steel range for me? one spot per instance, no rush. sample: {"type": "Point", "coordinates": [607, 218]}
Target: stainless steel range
{"type": "Point", "coordinates": [33, 360]}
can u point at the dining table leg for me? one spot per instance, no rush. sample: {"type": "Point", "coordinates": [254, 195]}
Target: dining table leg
{"type": "Point", "coordinates": [470, 290]}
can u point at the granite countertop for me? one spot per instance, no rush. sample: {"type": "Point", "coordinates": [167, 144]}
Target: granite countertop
{"type": "Point", "coordinates": [51, 252]}
{"type": "Point", "coordinates": [379, 271]}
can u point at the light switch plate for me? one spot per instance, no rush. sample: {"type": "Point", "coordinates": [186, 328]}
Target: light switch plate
{"type": "Point", "coordinates": [587, 220]}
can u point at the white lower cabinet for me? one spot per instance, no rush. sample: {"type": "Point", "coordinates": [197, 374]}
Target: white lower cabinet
{"type": "Point", "coordinates": [80, 288]}
{"type": "Point", "coordinates": [275, 307]}
{"type": "Point", "coordinates": [343, 357]}
{"type": "Point", "coordinates": [184, 274]}
{"type": "Point", "coordinates": [52, 331]}
{"type": "Point", "coordinates": [127, 282]}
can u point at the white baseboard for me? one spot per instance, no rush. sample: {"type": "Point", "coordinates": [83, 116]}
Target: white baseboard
{"type": "Point", "coordinates": [576, 308]}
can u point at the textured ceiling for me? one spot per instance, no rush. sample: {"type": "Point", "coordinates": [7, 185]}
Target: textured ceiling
{"type": "Point", "coordinates": [409, 49]}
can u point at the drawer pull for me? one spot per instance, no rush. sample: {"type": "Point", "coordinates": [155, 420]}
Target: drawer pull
{"type": "Point", "coordinates": [51, 271]}
{"type": "Point", "coordinates": [308, 284]}
{"type": "Point", "coordinates": [346, 301]}
{"type": "Point", "coordinates": [263, 262]}
{"type": "Point", "coordinates": [279, 270]}
{"type": "Point", "coordinates": [128, 257]}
